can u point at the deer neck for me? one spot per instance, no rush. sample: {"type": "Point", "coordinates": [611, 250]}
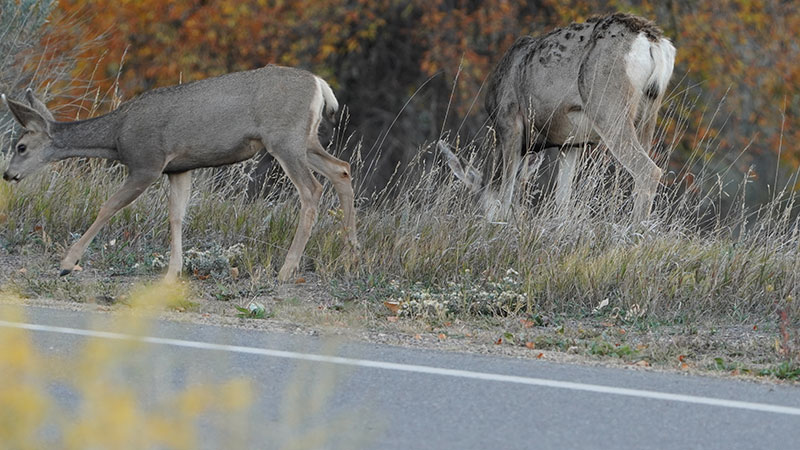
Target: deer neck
{"type": "Point", "coordinates": [91, 138]}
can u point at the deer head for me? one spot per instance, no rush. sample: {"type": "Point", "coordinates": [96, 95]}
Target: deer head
{"type": "Point", "coordinates": [34, 148]}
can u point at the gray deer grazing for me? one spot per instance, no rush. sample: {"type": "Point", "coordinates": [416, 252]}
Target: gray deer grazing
{"type": "Point", "coordinates": [603, 80]}
{"type": "Point", "coordinates": [207, 123]}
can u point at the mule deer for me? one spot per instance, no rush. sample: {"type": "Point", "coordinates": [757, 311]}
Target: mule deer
{"type": "Point", "coordinates": [603, 80]}
{"type": "Point", "coordinates": [207, 123]}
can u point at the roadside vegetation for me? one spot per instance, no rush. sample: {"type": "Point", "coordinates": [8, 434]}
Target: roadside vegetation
{"type": "Point", "coordinates": [709, 283]}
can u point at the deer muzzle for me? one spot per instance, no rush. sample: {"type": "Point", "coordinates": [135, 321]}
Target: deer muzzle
{"type": "Point", "coordinates": [8, 177]}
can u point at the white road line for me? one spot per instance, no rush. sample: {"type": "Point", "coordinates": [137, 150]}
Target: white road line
{"type": "Point", "coordinates": [763, 407]}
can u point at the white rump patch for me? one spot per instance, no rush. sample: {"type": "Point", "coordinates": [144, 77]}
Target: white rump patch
{"type": "Point", "coordinates": [638, 63]}
{"type": "Point", "coordinates": [650, 63]}
{"type": "Point", "coordinates": [318, 101]}
{"type": "Point", "coordinates": [317, 105]}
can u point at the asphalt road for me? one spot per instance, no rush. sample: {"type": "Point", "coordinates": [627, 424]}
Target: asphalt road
{"type": "Point", "coordinates": [359, 395]}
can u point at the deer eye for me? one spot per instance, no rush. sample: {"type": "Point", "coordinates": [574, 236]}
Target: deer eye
{"type": "Point", "coordinates": [21, 148]}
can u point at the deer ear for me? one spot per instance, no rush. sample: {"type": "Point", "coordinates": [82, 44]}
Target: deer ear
{"type": "Point", "coordinates": [38, 105]}
{"type": "Point", "coordinates": [27, 117]}
{"type": "Point", "coordinates": [463, 171]}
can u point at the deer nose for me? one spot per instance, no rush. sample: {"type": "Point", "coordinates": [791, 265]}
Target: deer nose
{"type": "Point", "coordinates": [6, 176]}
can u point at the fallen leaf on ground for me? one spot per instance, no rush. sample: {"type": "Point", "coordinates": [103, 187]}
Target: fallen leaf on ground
{"type": "Point", "coordinates": [391, 318]}
{"type": "Point", "coordinates": [499, 341]}
{"type": "Point", "coordinates": [394, 307]}
{"type": "Point", "coordinates": [234, 272]}
{"type": "Point", "coordinates": [300, 280]}
{"type": "Point", "coordinates": [642, 363]}
{"type": "Point", "coordinates": [539, 356]}
{"type": "Point", "coordinates": [684, 366]}
{"type": "Point", "coordinates": [530, 345]}
{"type": "Point", "coordinates": [442, 336]}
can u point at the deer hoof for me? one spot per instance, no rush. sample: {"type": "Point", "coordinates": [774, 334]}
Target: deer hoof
{"type": "Point", "coordinates": [286, 274]}
{"type": "Point", "coordinates": [64, 272]}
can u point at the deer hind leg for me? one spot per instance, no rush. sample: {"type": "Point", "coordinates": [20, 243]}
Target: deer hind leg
{"type": "Point", "coordinates": [338, 172]}
{"type": "Point", "coordinates": [612, 101]}
{"type": "Point", "coordinates": [180, 186]}
{"type": "Point", "coordinates": [622, 140]}
{"type": "Point", "coordinates": [567, 165]}
{"type": "Point", "coordinates": [133, 186]}
{"type": "Point", "coordinates": [647, 123]}
{"type": "Point", "coordinates": [297, 169]}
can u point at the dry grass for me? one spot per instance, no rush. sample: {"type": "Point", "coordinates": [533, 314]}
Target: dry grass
{"type": "Point", "coordinates": [689, 260]}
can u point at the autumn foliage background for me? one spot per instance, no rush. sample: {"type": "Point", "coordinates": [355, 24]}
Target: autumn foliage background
{"type": "Point", "coordinates": [409, 70]}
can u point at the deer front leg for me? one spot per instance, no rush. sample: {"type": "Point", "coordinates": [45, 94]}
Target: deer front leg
{"type": "Point", "coordinates": [567, 163]}
{"type": "Point", "coordinates": [133, 186]}
{"type": "Point", "coordinates": [180, 186]}
{"type": "Point", "coordinates": [511, 145]}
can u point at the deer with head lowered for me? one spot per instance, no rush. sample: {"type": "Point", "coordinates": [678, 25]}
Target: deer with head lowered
{"type": "Point", "coordinates": [603, 80]}
{"type": "Point", "coordinates": [207, 123]}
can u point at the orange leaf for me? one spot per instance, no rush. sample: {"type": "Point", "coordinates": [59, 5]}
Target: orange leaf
{"type": "Point", "coordinates": [300, 280]}
{"type": "Point", "coordinates": [393, 306]}
{"type": "Point", "coordinates": [530, 345]}
{"type": "Point", "coordinates": [681, 358]}
{"type": "Point", "coordinates": [498, 342]}
{"type": "Point", "coordinates": [684, 366]}
{"type": "Point", "coordinates": [539, 356]}
{"type": "Point", "coordinates": [442, 336]}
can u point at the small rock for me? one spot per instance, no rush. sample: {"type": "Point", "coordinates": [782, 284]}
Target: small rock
{"type": "Point", "coordinates": [104, 300]}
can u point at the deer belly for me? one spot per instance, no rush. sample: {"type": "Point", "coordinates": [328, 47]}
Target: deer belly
{"type": "Point", "coordinates": [199, 157]}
